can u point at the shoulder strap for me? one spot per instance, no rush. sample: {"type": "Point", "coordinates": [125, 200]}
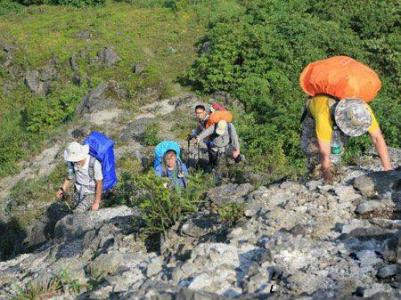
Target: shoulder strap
{"type": "Point", "coordinates": [180, 171]}
{"type": "Point", "coordinates": [91, 170]}
{"type": "Point", "coordinates": [229, 133]}
{"type": "Point", "coordinates": [71, 170]}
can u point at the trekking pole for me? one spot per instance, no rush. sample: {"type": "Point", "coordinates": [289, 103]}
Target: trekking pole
{"type": "Point", "coordinates": [188, 145]}
{"type": "Point", "coordinates": [198, 157]}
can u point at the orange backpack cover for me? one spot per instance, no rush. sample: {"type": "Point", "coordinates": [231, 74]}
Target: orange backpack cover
{"type": "Point", "coordinates": [219, 115]}
{"type": "Point", "coordinates": [341, 77]}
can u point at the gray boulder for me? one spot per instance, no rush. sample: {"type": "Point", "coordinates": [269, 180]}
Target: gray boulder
{"type": "Point", "coordinates": [389, 271]}
{"type": "Point", "coordinates": [369, 206]}
{"type": "Point", "coordinates": [108, 57]}
{"type": "Point", "coordinates": [76, 225]}
{"type": "Point", "coordinates": [35, 85]}
{"type": "Point", "coordinates": [138, 68]}
{"type": "Point", "coordinates": [136, 129]}
{"type": "Point", "coordinates": [229, 193]}
{"type": "Point", "coordinates": [100, 98]}
{"type": "Point", "coordinates": [200, 225]}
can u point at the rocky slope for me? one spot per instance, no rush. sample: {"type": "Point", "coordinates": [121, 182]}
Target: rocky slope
{"type": "Point", "coordinates": [297, 240]}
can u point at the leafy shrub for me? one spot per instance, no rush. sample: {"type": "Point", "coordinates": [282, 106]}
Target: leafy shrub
{"type": "Point", "coordinates": [258, 54]}
{"type": "Point", "coordinates": [76, 3]}
{"type": "Point", "coordinates": [12, 143]}
{"type": "Point", "coordinates": [150, 136]}
{"type": "Point", "coordinates": [161, 207]}
{"type": "Point", "coordinates": [8, 6]}
{"type": "Point", "coordinates": [43, 114]}
{"type": "Point", "coordinates": [230, 213]}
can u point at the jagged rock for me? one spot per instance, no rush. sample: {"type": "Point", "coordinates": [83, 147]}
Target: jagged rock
{"type": "Point", "coordinates": [136, 129]}
{"type": "Point", "coordinates": [346, 193]}
{"type": "Point", "coordinates": [9, 50]}
{"type": "Point", "coordinates": [73, 63]}
{"type": "Point", "coordinates": [35, 85]}
{"type": "Point", "coordinates": [200, 225]}
{"type": "Point", "coordinates": [108, 57]}
{"type": "Point", "coordinates": [155, 266]}
{"type": "Point", "coordinates": [376, 290]}
{"type": "Point", "coordinates": [383, 183]}
{"type": "Point", "coordinates": [76, 79]}
{"type": "Point", "coordinates": [385, 296]}
{"type": "Point", "coordinates": [205, 48]}
{"type": "Point", "coordinates": [389, 271]}
{"type": "Point", "coordinates": [365, 185]}
{"type": "Point", "coordinates": [74, 226]}
{"type": "Point", "coordinates": [84, 35]}
{"type": "Point", "coordinates": [6, 47]}
{"type": "Point", "coordinates": [43, 229]}
{"type": "Point", "coordinates": [369, 206]}
{"type": "Point", "coordinates": [256, 201]}
{"type": "Point", "coordinates": [49, 71]}
{"type": "Point", "coordinates": [229, 193]}
{"type": "Point", "coordinates": [368, 258]}
{"type": "Point", "coordinates": [138, 68]}
{"type": "Point", "coordinates": [112, 263]}
{"type": "Point", "coordinates": [99, 98]}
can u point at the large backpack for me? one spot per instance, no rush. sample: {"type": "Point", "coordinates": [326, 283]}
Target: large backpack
{"type": "Point", "coordinates": [340, 77]}
{"type": "Point", "coordinates": [102, 148]}
{"type": "Point", "coordinates": [219, 115]}
{"type": "Point", "coordinates": [162, 148]}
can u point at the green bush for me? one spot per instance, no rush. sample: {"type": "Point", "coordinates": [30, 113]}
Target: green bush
{"type": "Point", "coordinates": [13, 142]}
{"type": "Point", "coordinates": [76, 3]}
{"type": "Point", "coordinates": [161, 207]}
{"type": "Point", "coordinates": [41, 115]}
{"type": "Point", "coordinates": [150, 136]}
{"type": "Point", "coordinates": [8, 6]}
{"type": "Point", "coordinates": [258, 54]}
{"type": "Point", "coordinates": [230, 213]}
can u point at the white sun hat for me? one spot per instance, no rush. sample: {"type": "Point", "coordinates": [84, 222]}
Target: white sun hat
{"type": "Point", "coordinates": [76, 152]}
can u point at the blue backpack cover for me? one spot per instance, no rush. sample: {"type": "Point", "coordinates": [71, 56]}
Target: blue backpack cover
{"type": "Point", "coordinates": [161, 150]}
{"type": "Point", "coordinates": [102, 148]}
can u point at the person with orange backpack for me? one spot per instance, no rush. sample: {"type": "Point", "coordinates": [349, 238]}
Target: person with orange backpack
{"type": "Point", "coordinates": [339, 88]}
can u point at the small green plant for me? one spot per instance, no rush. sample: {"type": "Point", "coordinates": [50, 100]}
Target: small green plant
{"type": "Point", "coordinates": [41, 115]}
{"type": "Point", "coordinates": [57, 285]}
{"type": "Point", "coordinates": [150, 136]}
{"type": "Point", "coordinates": [96, 276]}
{"type": "Point", "coordinates": [162, 207]}
{"type": "Point", "coordinates": [230, 213]}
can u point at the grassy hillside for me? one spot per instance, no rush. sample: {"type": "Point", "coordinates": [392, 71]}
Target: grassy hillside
{"type": "Point", "coordinates": [160, 38]}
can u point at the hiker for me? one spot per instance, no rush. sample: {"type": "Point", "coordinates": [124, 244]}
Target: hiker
{"type": "Point", "coordinates": [336, 110]}
{"type": "Point", "coordinates": [201, 116]}
{"type": "Point", "coordinates": [88, 189]}
{"type": "Point", "coordinates": [222, 140]}
{"type": "Point", "coordinates": [168, 163]}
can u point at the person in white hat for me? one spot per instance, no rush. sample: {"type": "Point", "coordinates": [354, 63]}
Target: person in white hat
{"type": "Point", "coordinates": [86, 173]}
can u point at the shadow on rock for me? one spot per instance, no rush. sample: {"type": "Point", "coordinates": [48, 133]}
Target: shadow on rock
{"type": "Point", "coordinates": [11, 236]}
